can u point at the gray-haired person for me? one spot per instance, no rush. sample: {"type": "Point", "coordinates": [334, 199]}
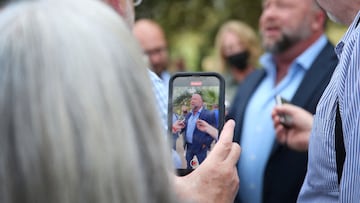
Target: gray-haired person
{"type": "Point", "coordinates": [68, 133]}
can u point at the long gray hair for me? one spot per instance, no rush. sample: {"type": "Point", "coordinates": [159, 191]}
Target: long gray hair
{"type": "Point", "coordinates": [77, 117]}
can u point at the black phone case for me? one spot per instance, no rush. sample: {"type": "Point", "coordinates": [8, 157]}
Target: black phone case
{"type": "Point", "coordinates": [192, 76]}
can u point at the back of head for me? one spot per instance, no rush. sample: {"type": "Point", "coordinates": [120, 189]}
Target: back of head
{"type": "Point", "coordinates": [73, 127]}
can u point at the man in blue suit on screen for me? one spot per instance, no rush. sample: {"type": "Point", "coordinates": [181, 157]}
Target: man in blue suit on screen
{"type": "Point", "coordinates": [197, 142]}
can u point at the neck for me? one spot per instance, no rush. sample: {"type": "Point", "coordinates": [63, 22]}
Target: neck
{"type": "Point", "coordinates": [285, 59]}
{"type": "Point", "coordinates": [195, 110]}
{"type": "Point", "coordinates": [350, 14]}
{"type": "Point", "coordinates": [158, 74]}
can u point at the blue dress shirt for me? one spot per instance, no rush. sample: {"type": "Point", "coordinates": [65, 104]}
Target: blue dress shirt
{"type": "Point", "coordinates": [258, 134]}
{"type": "Point", "coordinates": [191, 125]}
{"type": "Point", "coordinates": [160, 92]}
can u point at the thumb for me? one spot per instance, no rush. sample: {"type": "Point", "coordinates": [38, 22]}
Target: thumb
{"type": "Point", "coordinates": [289, 109]}
{"type": "Point", "coordinates": [224, 144]}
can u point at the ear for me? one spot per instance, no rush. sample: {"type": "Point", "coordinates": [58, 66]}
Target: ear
{"type": "Point", "coordinates": [117, 5]}
{"type": "Point", "coordinates": [320, 20]}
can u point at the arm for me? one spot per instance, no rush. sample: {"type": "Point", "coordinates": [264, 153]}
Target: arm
{"type": "Point", "coordinates": [296, 134]}
{"type": "Point", "coordinates": [207, 128]}
{"type": "Point", "coordinates": [350, 115]}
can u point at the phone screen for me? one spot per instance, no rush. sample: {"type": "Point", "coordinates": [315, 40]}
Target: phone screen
{"type": "Point", "coordinates": [196, 115]}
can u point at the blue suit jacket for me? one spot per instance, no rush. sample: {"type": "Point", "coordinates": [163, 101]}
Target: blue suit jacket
{"type": "Point", "coordinates": [286, 169]}
{"type": "Point", "coordinates": [201, 140]}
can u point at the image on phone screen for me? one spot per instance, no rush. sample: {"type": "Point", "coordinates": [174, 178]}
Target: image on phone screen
{"type": "Point", "coordinates": [196, 115]}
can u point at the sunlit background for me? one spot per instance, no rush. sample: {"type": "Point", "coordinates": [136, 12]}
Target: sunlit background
{"type": "Point", "coordinates": [191, 26]}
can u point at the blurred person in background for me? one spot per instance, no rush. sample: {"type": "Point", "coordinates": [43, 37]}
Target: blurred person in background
{"type": "Point", "coordinates": [297, 65]}
{"type": "Point", "coordinates": [152, 39]}
{"type": "Point", "coordinates": [238, 49]}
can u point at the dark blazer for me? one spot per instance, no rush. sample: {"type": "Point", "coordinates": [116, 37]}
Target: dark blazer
{"type": "Point", "coordinates": [286, 169]}
{"type": "Point", "coordinates": [201, 140]}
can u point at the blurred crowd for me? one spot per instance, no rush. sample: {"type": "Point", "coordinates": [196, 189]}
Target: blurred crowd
{"type": "Point", "coordinates": [84, 105]}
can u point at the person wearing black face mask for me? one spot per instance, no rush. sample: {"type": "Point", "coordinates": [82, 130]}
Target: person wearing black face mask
{"type": "Point", "coordinates": [238, 61]}
{"type": "Point", "coordinates": [238, 50]}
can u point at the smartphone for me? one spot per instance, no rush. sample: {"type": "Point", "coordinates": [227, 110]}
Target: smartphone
{"type": "Point", "coordinates": [195, 116]}
{"type": "Point", "coordinates": [285, 119]}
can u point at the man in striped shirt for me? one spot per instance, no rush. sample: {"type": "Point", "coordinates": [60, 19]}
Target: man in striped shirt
{"type": "Point", "coordinates": [324, 181]}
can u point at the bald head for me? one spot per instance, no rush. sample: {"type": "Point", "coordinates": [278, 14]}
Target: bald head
{"type": "Point", "coordinates": [152, 40]}
{"type": "Point", "coordinates": [196, 102]}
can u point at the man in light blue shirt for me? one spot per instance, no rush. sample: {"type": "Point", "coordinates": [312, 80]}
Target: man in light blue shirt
{"type": "Point", "coordinates": [197, 142]}
{"type": "Point", "coordinates": [297, 65]}
{"type": "Point", "coordinates": [258, 147]}
{"type": "Point", "coordinates": [191, 124]}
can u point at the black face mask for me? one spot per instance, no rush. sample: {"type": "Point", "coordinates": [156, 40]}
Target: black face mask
{"type": "Point", "coordinates": [239, 60]}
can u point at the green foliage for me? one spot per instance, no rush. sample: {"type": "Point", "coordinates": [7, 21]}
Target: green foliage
{"type": "Point", "coordinates": [191, 25]}
{"type": "Point", "coordinates": [182, 96]}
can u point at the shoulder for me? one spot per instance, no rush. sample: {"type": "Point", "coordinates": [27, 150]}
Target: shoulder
{"type": "Point", "coordinates": [207, 113]}
{"type": "Point", "coordinates": [155, 79]}
{"type": "Point", "coordinates": [327, 58]}
{"type": "Point", "coordinates": [259, 72]}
